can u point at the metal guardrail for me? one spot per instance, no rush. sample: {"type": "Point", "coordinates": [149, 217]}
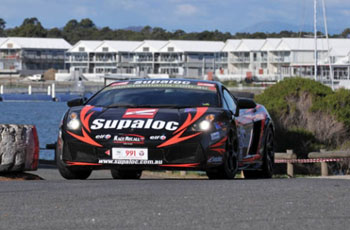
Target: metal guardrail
{"type": "Point", "coordinates": [323, 157]}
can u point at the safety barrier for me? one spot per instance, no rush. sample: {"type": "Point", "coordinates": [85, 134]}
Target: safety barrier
{"type": "Point", "coordinates": [323, 157]}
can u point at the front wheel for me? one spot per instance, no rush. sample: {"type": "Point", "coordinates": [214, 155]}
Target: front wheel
{"type": "Point", "coordinates": [229, 169]}
{"type": "Point", "coordinates": [126, 174]}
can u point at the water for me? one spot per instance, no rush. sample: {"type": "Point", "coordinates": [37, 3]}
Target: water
{"type": "Point", "coordinates": [46, 116]}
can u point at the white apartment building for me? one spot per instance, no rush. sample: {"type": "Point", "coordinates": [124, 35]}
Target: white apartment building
{"type": "Point", "coordinates": [263, 59]}
{"type": "Point", "coordinates": [27, 56]}
{"type": "Point", "coordinates": [192, 59]}
{"type": "Point", "coordinates": [115, 57]}
{"type": "Point", "coordinates": [80, 57]}
{"type": "Point", "coordinates": [146, 59]}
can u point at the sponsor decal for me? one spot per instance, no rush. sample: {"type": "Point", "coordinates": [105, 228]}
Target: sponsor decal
{"type": "Point", "coordinates": [108, 152]}
{"type": "Point", "coordinates": [103, 137]}
{"type": "Point", "coordinates": [97, 109]}
{"type": "Point", "coordinates": [120, 83]}
{"type": "Point", "coordinates": [131, 162]}
{"type": "Point", "coordinates": [134, 124]}
{"type": "Point", "coordinates": [176, 82]}
{"type": "Point", "coordinates": [188, 110]}
{"type": "Point", "coordinates": [215, 136]}
{"type": "Point", "coordinates": [161, 137]}
{"type": "Point", "coordinates": [129, 139]}
{"type": "Point", "coordinates": [215, 159]}
{"type": "Point", "coordinates": [209, 85]}
{"type": "Point", "coordinates": [140, 113]}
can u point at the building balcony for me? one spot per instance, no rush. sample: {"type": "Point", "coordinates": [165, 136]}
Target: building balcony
{"type": "Point", "coordinates": [280, 59]}
{"type": "Point", "coordinates": [240, 60]}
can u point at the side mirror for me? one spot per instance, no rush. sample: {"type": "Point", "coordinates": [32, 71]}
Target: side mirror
{"type": "Point", "coordinates": [244, 103]}
{"type": "Point", "coordinates": [75, 102]}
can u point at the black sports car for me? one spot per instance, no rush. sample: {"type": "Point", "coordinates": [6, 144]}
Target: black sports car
{"type": "Point", "coordinates": [165, 124]}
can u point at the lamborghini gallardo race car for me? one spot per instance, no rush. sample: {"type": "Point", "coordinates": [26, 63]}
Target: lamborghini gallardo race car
{"type": "Point", "coordinates": [165, 124]}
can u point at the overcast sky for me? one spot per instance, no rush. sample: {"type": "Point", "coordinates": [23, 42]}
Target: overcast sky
{"type": "Point", "coordinates": [189, 15]}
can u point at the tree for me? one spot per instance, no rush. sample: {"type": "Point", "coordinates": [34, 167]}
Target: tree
{"type": "Point", "coordinates": [2, 27]}
{"type": "Point", "coordinates": [31, 27]}
{"type": "Point", "coordinates": [346, 33]}
{"type": "Point", "coordinates": [86, 23]}
{"type": "Point", "coordinates": [54, 33]}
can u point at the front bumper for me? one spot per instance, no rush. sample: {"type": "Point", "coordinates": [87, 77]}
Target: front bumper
{"type": "Point", "coordinates": [194, 154]}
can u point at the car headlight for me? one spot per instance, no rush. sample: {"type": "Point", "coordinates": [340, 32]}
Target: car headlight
{"type": "Point", "coordinates": [204, 125]}
{"type": "Point", "coordinates": [73, 121]}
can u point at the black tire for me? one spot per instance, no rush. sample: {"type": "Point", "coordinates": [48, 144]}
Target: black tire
{"type": "Point", "coordinates": [229, 169]}
{"type": "Point", "coordinates": [268, 160]}
{"type": "Point", "coordinates": [71, 172]}
{"type": "Point", "coordinates": [126, 174]}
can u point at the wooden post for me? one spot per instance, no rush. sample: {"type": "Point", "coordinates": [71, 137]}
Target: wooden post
{"type": "Point", "coordinates": [324, 169]}
{"type": "Point", "coordinates": [290, 166]}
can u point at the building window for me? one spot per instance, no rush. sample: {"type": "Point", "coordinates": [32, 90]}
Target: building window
{"type": "Point", "coordinates": [170, 49]}
{"type": "Point", "coordinates": [81, 49]}
{"type": "Point", "coordinates": [9, 45]}
{"type": "Point", "coordinates": [104, 49]}
{"type": "Point", "coordinates": [145, 49]}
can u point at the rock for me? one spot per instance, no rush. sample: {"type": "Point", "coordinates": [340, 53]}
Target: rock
{"type": "Point", "coordinates": [19, 148]}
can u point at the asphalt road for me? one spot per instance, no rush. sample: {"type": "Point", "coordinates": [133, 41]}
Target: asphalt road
{"type": "Point", "coordinates": [103, 203]}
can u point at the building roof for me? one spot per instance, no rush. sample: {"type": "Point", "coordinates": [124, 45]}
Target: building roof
{"type": "Point", "coordinates": [339, 47]}
{"type": "Point", "coordinates": [193, 46]}
{"type": "Point", "coordinates": [152, 45]}
{"type": "Point", "coordinates": [248, 45]}
{"type": "Point", "coordinates": [271, 44]}
{"type": "Point", "coordinates": [89, 46]}
{"type": "Point", "coordinates": [118, 46]}
{"type": "Point", "coordinates": [2, 40]}
{"type": "Point", "coordinates": [35, 43]}
{"type": "Point", "coordinates": [304, 44]}
{"type": "Point", "coordinates": [231, 45]}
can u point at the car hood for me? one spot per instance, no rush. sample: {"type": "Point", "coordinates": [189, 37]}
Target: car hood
{"type": "Point", "coordinates": [134, 124]}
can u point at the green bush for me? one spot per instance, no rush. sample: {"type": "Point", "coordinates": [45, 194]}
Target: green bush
{"type": "Point", "coordinates": [281, 101]}
{"type": "Point", "coordinates": [337, 104]}
{"type": "Point", "coordinates": [274, 97]}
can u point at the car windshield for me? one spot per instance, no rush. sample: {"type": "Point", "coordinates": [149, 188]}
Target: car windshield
{"type": "Point", "coordinates": [155, 97]}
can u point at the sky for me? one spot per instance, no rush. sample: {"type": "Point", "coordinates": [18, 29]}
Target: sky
{"type": "Point", "coordinates": [189, 15]}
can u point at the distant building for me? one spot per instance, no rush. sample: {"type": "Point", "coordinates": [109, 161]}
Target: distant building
{"type": "Point", "coordinates": [27, 56]}
{"type": "Point", "coordinates": [146, 59]}
{"type": "Point", "coordinates": [192, 59]}
{"type": "Point", "coordinates": [80, 57]}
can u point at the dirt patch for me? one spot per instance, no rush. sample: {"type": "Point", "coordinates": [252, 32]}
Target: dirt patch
{"type": "Point", "coordinates": [20, 176]}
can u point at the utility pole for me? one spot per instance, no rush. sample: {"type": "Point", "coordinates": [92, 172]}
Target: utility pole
{"type": "Point", "coordinates": [315, 37]}
{"type": "Point", "coordinates": [328, 53]}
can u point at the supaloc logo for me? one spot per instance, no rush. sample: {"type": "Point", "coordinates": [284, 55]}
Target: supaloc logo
{"type": "Point", "coordinates": [84, 118]}
{"type": "Point", "coordinates": [200, 111]}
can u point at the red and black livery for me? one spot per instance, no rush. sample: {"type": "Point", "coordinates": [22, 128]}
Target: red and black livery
{"type": "Point", "coordinates": [165, 124]}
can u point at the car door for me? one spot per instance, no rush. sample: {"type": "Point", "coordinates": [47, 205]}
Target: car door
{"type": "Point", "coordinates": [244, 126]}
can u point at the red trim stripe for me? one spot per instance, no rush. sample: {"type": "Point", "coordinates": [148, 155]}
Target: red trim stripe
{"type": "Point", "coordinates": [193, 165]}
{"type": "Point", "coordinates": [82, 163]}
